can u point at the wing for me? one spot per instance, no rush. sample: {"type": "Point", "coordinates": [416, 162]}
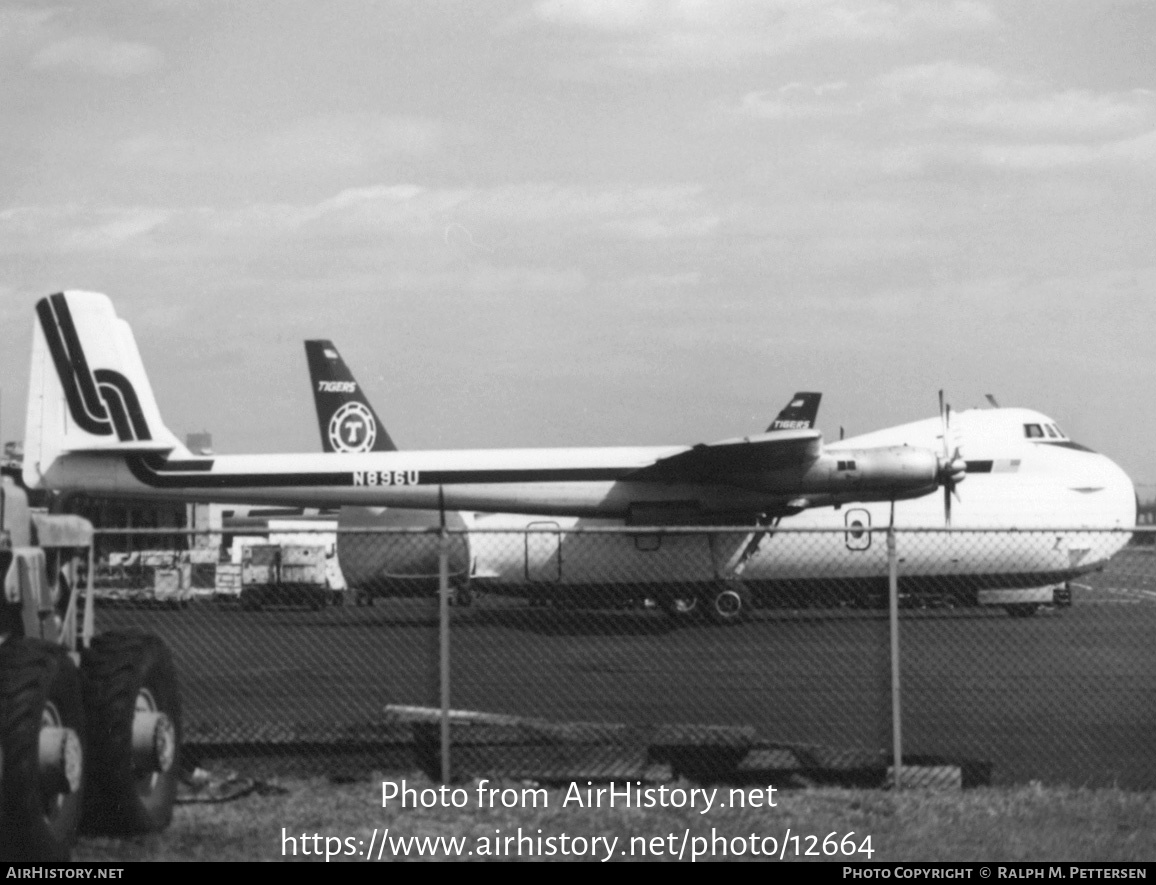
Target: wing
{"type": "Point", "coordinates": [720, 461]}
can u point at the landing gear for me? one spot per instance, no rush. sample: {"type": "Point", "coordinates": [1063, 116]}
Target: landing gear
{"type": "Point", "coordinates": [42, 731]}
{"type": "Point", "coordinates": [728, 602]}
{"type": "Point", "coordinates": [680, 604]}
{"type": "Point", "coordinates": [134, 713]}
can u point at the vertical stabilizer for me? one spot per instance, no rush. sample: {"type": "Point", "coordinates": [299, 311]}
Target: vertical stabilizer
{"type": "Point", "coordinates": [799, 413]}
{"type": "Point", "coordinates": [345, 418]}
{"type": "Point", "coordinates": [87, 388]}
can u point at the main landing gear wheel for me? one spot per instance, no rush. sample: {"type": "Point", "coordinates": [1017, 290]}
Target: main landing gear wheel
{"type": "Point", "coordinates": [728, 603]}
{"type": "Point", "coordinates": [133, 705]}
{"type": "Point", "coordinates": [43, 736]}
{"type": "Point", "coordinates": [682, 605]}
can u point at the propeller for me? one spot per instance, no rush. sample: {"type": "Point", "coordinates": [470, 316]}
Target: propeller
{"type": "Point", "coordinates": [952, 468]}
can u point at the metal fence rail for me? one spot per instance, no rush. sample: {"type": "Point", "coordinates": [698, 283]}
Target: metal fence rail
{"type": "Point", "coordinates": [1009, 657]}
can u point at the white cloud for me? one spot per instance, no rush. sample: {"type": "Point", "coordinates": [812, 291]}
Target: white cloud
{"type": "Point", "coordinates": [1043, 157]}
{"type": "Point", "coordinates": [366, 219]}
{"type": "Point", "coordinates": [72, 228]}
{"type": "Point", "coordinates": [797, 101]}
{"type": "Point", "coordinates": [96, 53]}
{"type": "Point", "coordinates": [939, 80]}
{"type": "Point", "coordinates": [1074, 113]}
{"type": "Point", "coordinates": [660, 34]}
{"type": "Point", "coordinates": [23, 23]}
{"type": "Point", "coordinates": [328, 141]}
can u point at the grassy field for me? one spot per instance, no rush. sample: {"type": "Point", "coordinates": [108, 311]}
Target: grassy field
{"type": "Point", "coordinates": [1025, 824]}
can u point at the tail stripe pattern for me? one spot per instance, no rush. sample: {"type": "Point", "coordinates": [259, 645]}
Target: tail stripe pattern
{"type": "Point", "coordinates": [99, 401]}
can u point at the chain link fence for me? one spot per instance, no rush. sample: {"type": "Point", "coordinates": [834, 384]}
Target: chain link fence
{"type": "Point", "coordinates": [1009, 656]}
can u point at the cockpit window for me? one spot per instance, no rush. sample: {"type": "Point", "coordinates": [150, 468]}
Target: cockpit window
{"type": "Point", "coordinates": [1033, 431]}
{"type": "Point", "coordinates": [1050, 428]}
{"type": "Point", "coordinates": [1060, 432]}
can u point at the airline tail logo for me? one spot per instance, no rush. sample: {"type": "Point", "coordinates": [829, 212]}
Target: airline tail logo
{"type": "Point", "coordinates": [337, 386]}
{"type": "Point", "coordinates": [100, 401]}
{"type": "Point", "coordinates": [352, 429]}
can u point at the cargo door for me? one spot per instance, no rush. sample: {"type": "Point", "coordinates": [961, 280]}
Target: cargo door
{"type": "Point", "coordinates": [543, 552]}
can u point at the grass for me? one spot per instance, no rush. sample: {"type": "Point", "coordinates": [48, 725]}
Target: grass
{"type": "Point", "coordinates": [1019, 824]}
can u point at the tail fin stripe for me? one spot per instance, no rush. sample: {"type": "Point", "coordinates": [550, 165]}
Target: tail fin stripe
{"type": "Point", "coordinates": [126, 408]}
{"type": "Point", "coordinates": [78, 361]}
{"type": "Point", "coordinates": [96, 424]}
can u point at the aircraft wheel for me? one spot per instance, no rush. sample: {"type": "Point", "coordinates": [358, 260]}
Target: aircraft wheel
{"type": "Point", "coordinates": [133, 703]}
{"type": "Point", "coordinates": [1022, 609]}
{"type": "Point", "coordinates": [729, 603]}
{"type": "Point", "coordinates": [681, 604]}
{"type": "Point", "coordinates": [42, 730]}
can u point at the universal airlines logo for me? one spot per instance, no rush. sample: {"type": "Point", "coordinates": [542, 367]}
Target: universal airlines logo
{"type": "Point", "coordinates": [100, 400]}
{"type": "Point", "coordinates": [352, 429]}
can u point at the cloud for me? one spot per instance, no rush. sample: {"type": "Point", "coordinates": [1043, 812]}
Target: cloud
{"type": "Point", "coordinates": [1074, 113]}
{"type": "Point", "coordinates": [662, 34]}
{"type": "Point", "coordinates": [1137, 151]}
{"type": "Point", "coordinates": [366, 221]}
{"type": "Point", "coordinates": [797, 101]}
{"type": "Point", "coordinates": [943, 80]}
{"type": "Point", "coordinates": [72, 228]}
{"type": "Point", "coordinates": [21, 24]}
{"type": "Point", "coordinates": [96, 53]}
{"type": "Point", "coordinates": [322, 142]}
{"type": "Point", "coordinates": [950, 113]}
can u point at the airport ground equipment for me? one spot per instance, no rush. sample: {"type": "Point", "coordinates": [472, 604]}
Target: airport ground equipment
{"type": "Point", "coordinates": [90, 723]}
{"type": "Point", "coordinates": [283, 574]}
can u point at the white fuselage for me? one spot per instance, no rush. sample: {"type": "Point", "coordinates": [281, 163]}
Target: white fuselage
{"type": "Point", "coordinates": [1030, 510]}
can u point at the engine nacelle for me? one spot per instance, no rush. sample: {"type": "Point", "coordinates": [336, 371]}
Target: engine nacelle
{"type": "Point", "coordinates": [399, 564]}
{"type": "Point", "coordinates": [872, 474]}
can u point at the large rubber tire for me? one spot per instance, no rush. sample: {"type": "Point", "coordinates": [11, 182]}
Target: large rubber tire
{"type": "Point", "coordinates": [126, 675]}
{"type": "Point", "coordinates": [39, 688]}
{"type": "Point", "coordinates": [728, 603]}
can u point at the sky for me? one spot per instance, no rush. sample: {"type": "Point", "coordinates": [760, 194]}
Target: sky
{"type": "Point", "coordinates": [612, 222]}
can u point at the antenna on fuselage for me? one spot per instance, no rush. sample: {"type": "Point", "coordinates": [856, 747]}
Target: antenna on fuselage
{"type": "Point", "coordinates": [991, 399]}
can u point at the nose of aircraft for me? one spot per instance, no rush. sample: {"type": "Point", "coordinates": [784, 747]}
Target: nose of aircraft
{"type": "Point", "coordinates": [1119, 495]}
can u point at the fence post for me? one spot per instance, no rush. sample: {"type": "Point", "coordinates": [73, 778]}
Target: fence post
{"type": "Point", "coordinates": [444, 647]}
{"type": "Point", "coordinates": [896, 717]}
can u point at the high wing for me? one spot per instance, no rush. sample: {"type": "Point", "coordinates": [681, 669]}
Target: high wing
{"type": "Point", "coordinates": [789, 442]}
{"type": "Point", "coordinates": [730, 460]}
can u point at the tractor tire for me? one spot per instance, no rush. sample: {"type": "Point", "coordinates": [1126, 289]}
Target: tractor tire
{"type": "Point", "coordinates": [133, 704]}
{"type": "Point", "coordinates": [680, 604]}
{"type": "Point", "coordinates": [728, 603]}
{"type": "Point", "coordinates": [42, 730]}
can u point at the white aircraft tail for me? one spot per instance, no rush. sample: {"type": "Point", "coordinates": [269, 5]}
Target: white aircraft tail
{"type": "Point", "coordinates": [87, 387]}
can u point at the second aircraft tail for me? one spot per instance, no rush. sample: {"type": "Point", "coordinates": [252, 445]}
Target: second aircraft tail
{"type": "Point", "coordinates": [345, 418]}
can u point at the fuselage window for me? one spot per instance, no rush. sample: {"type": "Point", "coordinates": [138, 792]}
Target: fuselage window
{"type": "Point", "coordinates": [1033, 431]}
